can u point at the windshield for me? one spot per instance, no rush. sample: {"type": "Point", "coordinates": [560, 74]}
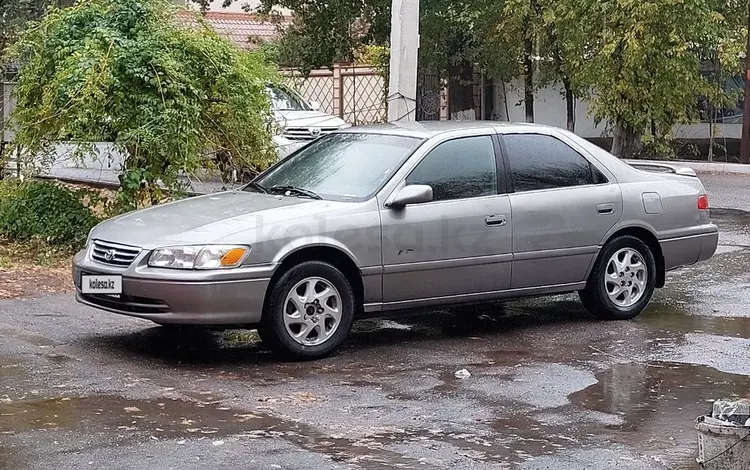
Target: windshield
{"type": "Point", "coordinates": [344, 166]}
{"type": "Point", "coordinates": [282, 100]}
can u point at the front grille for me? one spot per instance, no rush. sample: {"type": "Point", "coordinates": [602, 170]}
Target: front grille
{"type": "Point", "coordinates": [307, 133]}
{"type": "Point", "coordinates": [114, 254]}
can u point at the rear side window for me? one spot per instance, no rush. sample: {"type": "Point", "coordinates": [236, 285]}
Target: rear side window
{"type": "Point", "coordinates": [458, 169]}
{"type": "Point", "coordinates": [544, 162]}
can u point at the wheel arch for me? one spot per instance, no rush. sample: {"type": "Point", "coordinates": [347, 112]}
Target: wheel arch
{"type": "Point", "coordinates": [327, 254]}
{"type": "Point", "coordinates": [646, 236]}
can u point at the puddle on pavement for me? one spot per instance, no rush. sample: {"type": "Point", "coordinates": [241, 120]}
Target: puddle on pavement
{"type": "Point", "coordinates": [179, 419]}
{"type": "Point", "coordinates": [167, 418]}
{"type": "Point", "coordinates": [718, 287]}
{"type": "Point", "coordinates": [659, 403]}
{"type": "Point", "coordinates": [734, 226]}
{"type": "Point", "coordinates": [674, 319]}
{"type": "Point", "coordinates": [35, 340]}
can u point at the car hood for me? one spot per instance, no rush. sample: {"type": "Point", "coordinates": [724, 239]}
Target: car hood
{"type": "Point", "coordinates": [307, 119]}
{"type": "Point", "coordinates": [205, 219]}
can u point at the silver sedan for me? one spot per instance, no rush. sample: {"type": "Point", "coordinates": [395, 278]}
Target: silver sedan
{"type": "Point", "coordinates": [393, 217]}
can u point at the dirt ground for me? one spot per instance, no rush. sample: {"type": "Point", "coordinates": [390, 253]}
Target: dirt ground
{"type": "Point", "coordinates": [24, 274]}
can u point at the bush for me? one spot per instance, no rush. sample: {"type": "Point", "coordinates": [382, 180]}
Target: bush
{"type": "Point", "coordinates": [44, 210]}
{"type": "Point", "coordinates": [154, 80]}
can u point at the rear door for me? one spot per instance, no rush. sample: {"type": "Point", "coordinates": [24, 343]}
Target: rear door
{"type": "Point", "coordinates": [562, 204]}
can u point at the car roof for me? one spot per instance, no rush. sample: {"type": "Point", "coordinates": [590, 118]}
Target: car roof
{"type": "Point", "coordinates": [428, 129]}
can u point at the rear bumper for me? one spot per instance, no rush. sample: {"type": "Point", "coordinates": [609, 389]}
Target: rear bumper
{"type": "Point", "coordinates": [176, 301]}
{"type": "Point", "coordinates": [684, 251]}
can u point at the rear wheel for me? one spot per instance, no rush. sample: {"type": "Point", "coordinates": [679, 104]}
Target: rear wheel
{"type": "Point", "coordinates": [622, 281]}
{"type": "Point", "coordinates": [310, 311]}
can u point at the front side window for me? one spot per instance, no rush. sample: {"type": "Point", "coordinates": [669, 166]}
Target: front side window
{"type": "Point", "coordinates": [344, 166]}
{"type": "Point", "coordinates": [458, 169]}
{"type": "Point", "coordinates": [544, 162]}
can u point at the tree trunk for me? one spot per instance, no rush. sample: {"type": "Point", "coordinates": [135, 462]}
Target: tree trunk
{"type": "Point", "coordinates": [570, 103]}
{"type": "Point", "coordinates": [626, 142]}
{"type": "Point", "coordinates": [528, 78]}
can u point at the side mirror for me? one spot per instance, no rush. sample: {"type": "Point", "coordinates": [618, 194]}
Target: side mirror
{"type": "Point", "coordinates": [315, 105]}
{"type": "Point", "coordinates": [414, 194]}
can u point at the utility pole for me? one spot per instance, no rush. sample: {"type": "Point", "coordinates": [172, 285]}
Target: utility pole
{"type": "Point", "coordinates": [402, 83]}
{"type": "Point", "coordinates": [745, 146]}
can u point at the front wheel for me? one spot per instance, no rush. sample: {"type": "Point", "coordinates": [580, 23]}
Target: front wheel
{"type": "Point", "coordinates": [622, 282]}
{"type": "Point", "coordinates": [310, 311]}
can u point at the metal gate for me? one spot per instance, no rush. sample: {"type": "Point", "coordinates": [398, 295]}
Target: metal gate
{"type": "Point", "coordinates": [428, 97]}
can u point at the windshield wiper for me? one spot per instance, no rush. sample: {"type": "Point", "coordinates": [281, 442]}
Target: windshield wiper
{"type": "Point", "coordinates": [295, 190]}
{"type": "Point", "coordinates": [257, 187]}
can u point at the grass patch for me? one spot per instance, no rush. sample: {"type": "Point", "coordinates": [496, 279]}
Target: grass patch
{"type": "Point", "coordinates": [240, 337]}
{"type": "Point", "coordinates": [32, 252]}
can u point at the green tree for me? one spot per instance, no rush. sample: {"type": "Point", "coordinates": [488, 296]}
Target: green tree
{"type": "Point", "coordinates": [323, 33]}
{"type": "Point", "coordinates": [129, 72]}
{"type": "Point", "coordinates": [561, 42]}
{"type": "Point", "coordinates": [506, 43]}
{"type": "Point", "coordinates": [637, 62]}
{"type": "Point", "coordinates": [641, 62]}
{"type": "Point", "coordinates": [14, 14]}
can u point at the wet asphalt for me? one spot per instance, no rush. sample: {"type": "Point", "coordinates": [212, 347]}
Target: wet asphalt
{"type": "Point", "coordinates": [550, 388]}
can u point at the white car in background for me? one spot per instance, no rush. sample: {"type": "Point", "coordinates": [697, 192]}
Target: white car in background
{"type": "Point", "coordinates": [299, 121]}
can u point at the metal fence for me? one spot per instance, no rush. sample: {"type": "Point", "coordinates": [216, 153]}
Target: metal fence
{"type": "Point", "coordinates": [355, 93]}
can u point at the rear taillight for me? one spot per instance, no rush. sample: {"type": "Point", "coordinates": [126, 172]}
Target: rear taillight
{"type": "Point", "coordinates": [703, 202]}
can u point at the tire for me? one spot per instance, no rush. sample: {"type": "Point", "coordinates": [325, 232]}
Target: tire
{"type": "Point", "coordinates": [607, 277]}
{"type": "Point", "coordinates": [286, 316]}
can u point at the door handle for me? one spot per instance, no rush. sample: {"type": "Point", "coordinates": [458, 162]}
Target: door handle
{"type": "Point", "coordinates": [495, 220]}
{"type": "Point", "coordinates": [604, 209]}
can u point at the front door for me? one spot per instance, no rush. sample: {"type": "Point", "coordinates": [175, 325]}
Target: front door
{"type": "Point", "coordinates": [457, 245]}
{"type": "Point", "coordinates": [563, 206]}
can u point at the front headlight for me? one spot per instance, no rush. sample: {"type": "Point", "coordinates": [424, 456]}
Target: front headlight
{"type": "Point", "coordinates": [199, 257]}
{"type": "Point", "coordinates": [345, 126]}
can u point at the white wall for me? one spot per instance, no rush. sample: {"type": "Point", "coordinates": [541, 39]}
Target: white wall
{"type": "Point", "coordinates": [550, 109]}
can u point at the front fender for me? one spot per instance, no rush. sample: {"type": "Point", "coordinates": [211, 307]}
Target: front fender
{"type": "Point", "coordinates": [313, 242]}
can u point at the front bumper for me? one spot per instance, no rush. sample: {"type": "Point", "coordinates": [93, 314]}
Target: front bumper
{"type": "Point", "coordinates": [229, 297]}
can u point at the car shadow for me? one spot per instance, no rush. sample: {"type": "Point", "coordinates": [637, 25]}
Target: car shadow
{"type": "Point", "coordinates": [201, 347]}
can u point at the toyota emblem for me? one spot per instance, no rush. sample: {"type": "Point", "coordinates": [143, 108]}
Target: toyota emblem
{"type": "Point", "coordinates": [315, 131]}
{"type": "Point", "coordinates": [109, 255]}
